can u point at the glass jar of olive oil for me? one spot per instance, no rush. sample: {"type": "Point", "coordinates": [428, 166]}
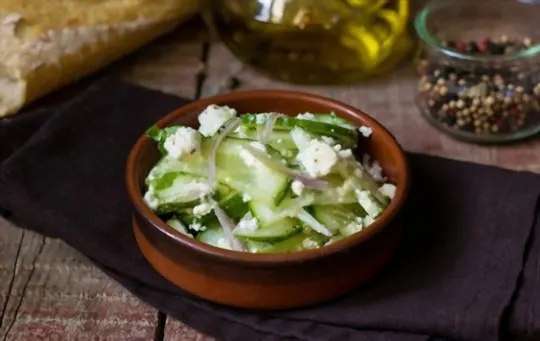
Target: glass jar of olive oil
{"type": "Point", "coordinates": [314, 41]}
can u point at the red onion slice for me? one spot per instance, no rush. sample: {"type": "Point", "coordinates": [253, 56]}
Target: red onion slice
{"type": "Point", "coordinates": [279, 167]}
{"type": "Point", "coordinates": [227, 128]}
{"type": "Point", "coordinates": [313, 223]}
{"type": "Point", "coordinates": [269, 126]}
{"type": "Point", "coordinates": [228, 226]}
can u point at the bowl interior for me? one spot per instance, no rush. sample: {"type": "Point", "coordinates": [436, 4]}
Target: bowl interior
{"type": "Point", "coordinates": [381, 145]}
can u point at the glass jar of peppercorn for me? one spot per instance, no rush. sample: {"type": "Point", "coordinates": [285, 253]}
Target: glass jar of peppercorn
{"type": "Point", "coordinates": [479, 68]}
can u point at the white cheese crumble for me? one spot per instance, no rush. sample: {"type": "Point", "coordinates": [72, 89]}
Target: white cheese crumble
{"type": "Point", "coordinates": [197, 227]}
{"type": "Point", "coordinates": [178, 226]}
{"type": "Point", "coordinates": [368, 203]}
{"type": "Point", "coordinates": [305, 116]}
{"type": "Point", "coordinates": [213, 118]}
{"type": "Point", "coordinates": [309, 244]}
{"type": "Point", "coordinates": [337, 147]}
{"type": "Point", "coordinates": [328, 140]}
{"type": "Point", "coordinates": [345, 153]}
{"type": "Point", "coordinates": [246, 197]}
{"type": "Point", "coordinates": [248, 222]}
{"type": "Point", "coordinates": [202, 209]}
{"type": "Point", "coordinates": [355, 226]}
{"type": "Point", "coordinates": [388, 190]}
{"type": "Point", "coordinates": [185, 141]}
{"type": "Point", "coordinates": [376, 171]}
{"type": "Point", "coordinates": [223, 243]}
{"type": "Point", "coordinates": [365, 131]}
{"type": "Point", "coordinates": [318, 158]}
{"type": "Point", "coordinates": [297, 187]}
{"type": "Point", "coordinates": [301, 138]}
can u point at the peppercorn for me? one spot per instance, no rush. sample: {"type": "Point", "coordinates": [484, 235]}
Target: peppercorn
{"type": "Point", "coordinates": [480, 101]}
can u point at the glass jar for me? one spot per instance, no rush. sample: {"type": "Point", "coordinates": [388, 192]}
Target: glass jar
{"type": "Point", "coordinates": [479, 68]}
{"type": "Point", "coordinates": [314, 41]}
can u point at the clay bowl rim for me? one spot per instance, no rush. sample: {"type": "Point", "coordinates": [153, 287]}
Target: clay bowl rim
{"type": "Point", "coordinates": [269, 259]}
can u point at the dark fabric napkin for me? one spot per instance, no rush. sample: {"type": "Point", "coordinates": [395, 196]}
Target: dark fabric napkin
{"type": "Point", "coordinates": [457, 274]}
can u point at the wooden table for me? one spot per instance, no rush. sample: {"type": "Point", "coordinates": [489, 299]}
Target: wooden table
{"type": "Point", "coordinates": [50, 292]}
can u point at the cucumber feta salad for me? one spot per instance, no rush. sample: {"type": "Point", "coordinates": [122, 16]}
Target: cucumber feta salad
{"type": "Point", "coordinates": [265, 182]}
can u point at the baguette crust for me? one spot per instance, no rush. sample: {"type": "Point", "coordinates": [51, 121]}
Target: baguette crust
{"type": "Point", "coordinates": [47, 44]}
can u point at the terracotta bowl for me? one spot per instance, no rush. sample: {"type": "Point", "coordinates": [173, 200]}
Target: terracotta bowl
{"type": "Point", "coordinates": [268, 281]}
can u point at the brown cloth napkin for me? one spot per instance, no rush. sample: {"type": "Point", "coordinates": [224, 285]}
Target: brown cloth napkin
{"type": "Point", "coordinates": [457, 275]}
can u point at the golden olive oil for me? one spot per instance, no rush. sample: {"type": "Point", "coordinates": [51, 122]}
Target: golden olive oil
{"type": "Point", "coordinates": [314, 41]}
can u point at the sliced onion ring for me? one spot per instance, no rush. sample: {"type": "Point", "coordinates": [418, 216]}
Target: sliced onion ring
{"type": "Point", "coordinates": [227, 128]}
{"type": "Point", "coordinates": [269, 126]}
{"type": "Point", "coordinates": [313, 223]}
{"type": "Point", "coordinates": [279, 167]}
{"type": "Point", "coordinates": [227, 225]}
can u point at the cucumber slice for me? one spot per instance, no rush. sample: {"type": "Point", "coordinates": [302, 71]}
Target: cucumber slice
{"type": "Point", "coordinates": [176, 224]}
{"type": "Point", "coordinates": [336, 217]}
{"type": "Point", "coordinates": [296, 242]}
{"type": "Point", "coordinates": [250, 177]}
{"type": "Point", "coordinates": [332, 118]}
{"type": "Point", "coordinates": [346, 137]}
{"type": "Point", "coordinates": [214, 236]}
{"type": "Point", "coordinates": [174, 191]}
{"type": "Point", "coordinates": [275, 231]}
{"type": "Point", "coordinates": [233, 204]}
{"type": "Point", "coordinates": [281, 141]}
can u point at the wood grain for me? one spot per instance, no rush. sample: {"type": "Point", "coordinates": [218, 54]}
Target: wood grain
{"type": "Point", "coordinates": [58, 295]}
{"type": "Point", "coordinates": [49, 292]}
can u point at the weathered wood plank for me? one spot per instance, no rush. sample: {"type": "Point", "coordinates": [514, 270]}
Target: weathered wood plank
{"type": "Point", "coordinates": [390, 100]}
{"type": "Point", "coordinates": [59, 295]}
{"type": "Point", "coordinates": [169, 64]}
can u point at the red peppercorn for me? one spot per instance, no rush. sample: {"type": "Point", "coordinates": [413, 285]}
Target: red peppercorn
{"type": "Point", "coordinates": [484, 45]}
{"type": "Point", "coordinates": [460, 46]}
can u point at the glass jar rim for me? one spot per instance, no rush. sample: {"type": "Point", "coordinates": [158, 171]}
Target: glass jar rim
{"type": "Point", "coordinates": [420, 25]}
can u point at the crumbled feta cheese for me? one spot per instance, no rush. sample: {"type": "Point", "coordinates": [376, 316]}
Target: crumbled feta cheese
{"type": "Point", "coordinates": [337, 147]}
{"type": "Point", "coordinates": [246, 197]}
{"type": "Point", "coordinates": [345, 153]}
{"type": "Point", "coordinates": [197, 227]}
{"type": "Point", "coordinates": [368, 220]}
{"type": "Point", "coordinates": [328, 140]}
{"type": "Point", "coordinates": [202, 209]}
{"type": "Point", "coordinates": [301, 138]}
{"type": "Point", "coordinates": [150, 199]}
{"type": "Point", "coordinates": [297, 187]}
{"type": "Point", "coordinates": [309, 243]}
{"type": "Point", "coordinates": [376, 171]}
{"type": "Point", "coordinates": [365, 131]}
{"type": "Point", "coordinates": [185, 141]}
{"type": "Point", "coordinates": [248, 222]}
{"type": "Point", "coordinates": [355, 226]}
{"type": "Point", "coordinates": [318, 158]}
{"type": "Point", "coordinates": [213, 118]}
{"type": "Point", "coordinates": [223, 243]}
{"type": "Point", "coordinates": [368, 203]}
{"type": "Point", "coordinates": [306, 116]}
{"type": "Point", "coordinates": [388, 190]}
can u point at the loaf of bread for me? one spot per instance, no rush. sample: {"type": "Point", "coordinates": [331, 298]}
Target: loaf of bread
{"type": "Point", "coordinates": [46, 44]}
